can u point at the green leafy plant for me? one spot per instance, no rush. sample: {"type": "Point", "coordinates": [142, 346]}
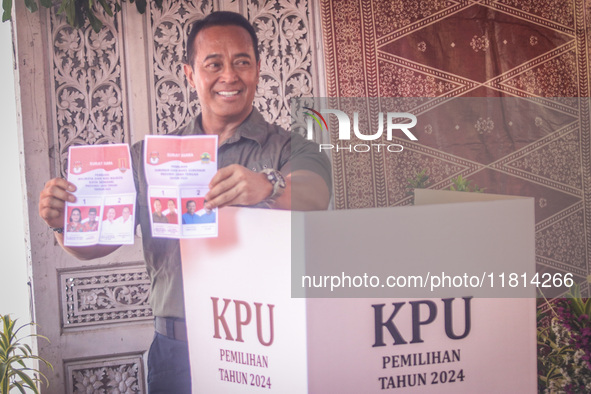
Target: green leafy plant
{"type": "Point", "coordinates": [461, 184]}
{"type": "Point", "coordinates": [78, 12]}
{"type": "Point", "coordinates": [14, 373]}
{"type": "Point", "coordinates": [564, 345]}
{"type": "Point", "coordinates": [420, 181]}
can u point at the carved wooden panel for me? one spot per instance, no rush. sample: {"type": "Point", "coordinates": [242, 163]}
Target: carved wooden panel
{"type": "Point", "coordinates": [87, 89]}
{"type": "Point", "coordinates": [123, 375]}
{"type": "Point", "coordinates": [104, 296]}
{"type": "Point", "coordinates": [175, 102]}
{"type": "Point", "coordinates": [283, 30]}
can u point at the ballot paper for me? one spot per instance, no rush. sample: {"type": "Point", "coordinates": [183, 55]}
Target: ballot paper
{"type": "Point", "coordinates": [104, 211]}
{"type": "Point", "coordinates": [178, 171]}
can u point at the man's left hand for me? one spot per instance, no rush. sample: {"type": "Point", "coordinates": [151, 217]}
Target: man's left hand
{"type": "Point", "coordinates": [237, 185]}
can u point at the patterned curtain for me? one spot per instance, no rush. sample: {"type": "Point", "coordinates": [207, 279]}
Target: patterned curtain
{"type": "Point", "coordinates": [517, 71]}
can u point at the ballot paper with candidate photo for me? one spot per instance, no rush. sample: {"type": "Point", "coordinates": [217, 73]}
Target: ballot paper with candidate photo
{"type": "Point", "coordinates": [178, 171]}
{"type": "Point", "coordinates": [104, 211]}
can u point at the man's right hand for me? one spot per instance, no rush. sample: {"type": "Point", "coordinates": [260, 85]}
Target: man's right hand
{"type": "Point", "coordinates": [52, 201]}
{"type": "Point", "coordinates": [52, 204]}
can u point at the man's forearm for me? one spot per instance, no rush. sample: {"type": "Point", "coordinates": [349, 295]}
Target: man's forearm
{"type": "Point", "coordinates": [86, 252]}
{"type": "Point", "coordinates": [304, 191]}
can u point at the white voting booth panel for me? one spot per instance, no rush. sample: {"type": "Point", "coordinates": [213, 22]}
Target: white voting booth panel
{"type": "Point", "coordinates": [247, 334]}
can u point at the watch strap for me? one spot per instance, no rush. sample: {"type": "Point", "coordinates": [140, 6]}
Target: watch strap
{"type": "Point", "coordinates": [277, 181]}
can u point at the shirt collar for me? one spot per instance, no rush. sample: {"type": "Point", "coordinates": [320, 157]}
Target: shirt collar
{"type": "Point", "coordinates": [254, 128]}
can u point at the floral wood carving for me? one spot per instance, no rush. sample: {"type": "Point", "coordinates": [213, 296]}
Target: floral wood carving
{"type": "Point", "coordinates": [122, 375]}
{"type": "Point", "coordinates": [283, 30]}
{"type": "Point", "coordinates": [87, 88]}
{"type": "Point", "coordinates": [175, 102]}
{"type": "Point", "coordinates": [104, 296]}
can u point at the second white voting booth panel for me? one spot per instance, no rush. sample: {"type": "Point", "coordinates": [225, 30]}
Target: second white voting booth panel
{"type": "Point", "coordinates": [247, 333]}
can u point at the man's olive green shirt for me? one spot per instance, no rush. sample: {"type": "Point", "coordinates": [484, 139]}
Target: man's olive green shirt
{"type": "Point", "coordinates": [256, 145]}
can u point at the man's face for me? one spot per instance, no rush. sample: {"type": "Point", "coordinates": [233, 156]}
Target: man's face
{"type": "Point", "coordinates": [157, 206]}
{"type": "Point", "coordinates": [91, 216]}
{"type": "Point", "coordinates": [171, 206]}
{"type": "Point", "coordinates": [224, 73]}
{"type": "Point", "coordinates": [125, 213]}
{"type": "Point", "coordinates": [191, 207]}
{"type": "Point", "coordinates": [111, 214]}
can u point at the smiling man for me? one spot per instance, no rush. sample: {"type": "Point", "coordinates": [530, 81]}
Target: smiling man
{"type": "Point", "coordinates": [92, 223]}
{"type": "Point", "coordinates": [190, 217]}
{"type": "Point", "coordinates": [260, 165]}
{"type": "Point", "coordinates": [157, 216]}
{"type": "Point", "coordinates": [223, 66]}
{"type": "Point", "coordinates": [172, 215]}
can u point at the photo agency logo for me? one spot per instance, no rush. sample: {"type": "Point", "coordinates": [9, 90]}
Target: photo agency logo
{"type": "Point", "coordinates": [395, 122]}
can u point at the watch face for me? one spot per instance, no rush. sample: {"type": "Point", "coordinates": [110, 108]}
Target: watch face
{"type": "Point", "coordinates": [275, 177]}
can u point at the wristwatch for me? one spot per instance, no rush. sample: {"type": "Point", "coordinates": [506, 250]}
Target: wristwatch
{"type": "Point", "coordinates": [277, 181]}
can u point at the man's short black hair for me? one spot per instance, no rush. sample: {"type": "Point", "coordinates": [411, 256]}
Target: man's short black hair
{"type": "Point", "coordinates": [188, 202]}
{"type": "Point", "coordinates": [92, 210]}
{"type": "Point", "coordinates": [219, 18]}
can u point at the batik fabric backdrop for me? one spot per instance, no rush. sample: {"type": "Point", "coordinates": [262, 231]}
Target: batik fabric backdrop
{"type": "Point", "coordinates": [500, 91]}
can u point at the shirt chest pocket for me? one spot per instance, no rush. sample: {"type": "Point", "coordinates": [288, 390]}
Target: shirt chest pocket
{"type": "Point", "coordinates": [260, 165]}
